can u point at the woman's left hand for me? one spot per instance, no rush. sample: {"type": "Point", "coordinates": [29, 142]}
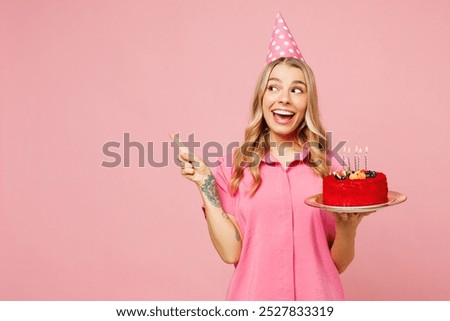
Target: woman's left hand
{"type": "Point", "coordinates": [349, 220]}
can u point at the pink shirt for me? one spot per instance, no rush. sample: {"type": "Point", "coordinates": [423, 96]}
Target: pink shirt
{"type": "Point", "coordinates": [285, 252]}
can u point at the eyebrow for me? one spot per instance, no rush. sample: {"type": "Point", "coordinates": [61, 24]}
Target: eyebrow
{"type": "Point", "coordinates": [294, 82]}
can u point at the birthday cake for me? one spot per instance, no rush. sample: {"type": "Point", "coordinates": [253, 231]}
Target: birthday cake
{"type": "Point", "coordinates": [355, 188]}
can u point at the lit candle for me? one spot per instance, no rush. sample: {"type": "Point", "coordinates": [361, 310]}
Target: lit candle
{"type": "Point", "coordinates": [366, 159]}
{"type": "Point", "coordinates": [355, 157]}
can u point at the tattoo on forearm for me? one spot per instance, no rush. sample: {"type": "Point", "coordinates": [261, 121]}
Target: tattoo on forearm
{"type": "Point", "coordinates": [236, 235]}
{"type": "Point", "coordinates": [209, 187]}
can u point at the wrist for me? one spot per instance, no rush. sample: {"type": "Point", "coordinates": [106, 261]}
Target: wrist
{"type": "Point", "coordinates": [346, 232]}
{"type": "Point", "coordinates": [203, 179]}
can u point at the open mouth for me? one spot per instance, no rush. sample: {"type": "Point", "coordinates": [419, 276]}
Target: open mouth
{"type": "Point", "coordinates": [282, 116]}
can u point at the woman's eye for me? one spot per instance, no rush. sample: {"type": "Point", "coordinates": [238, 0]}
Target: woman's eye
{"type": "Point", "coordinates": [272, 88]}
{"type": "Point", "coordinates": [297, 91]}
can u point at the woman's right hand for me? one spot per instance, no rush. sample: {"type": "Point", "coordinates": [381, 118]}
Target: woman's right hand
{"type": "Point", "coordinates": [193, 167]}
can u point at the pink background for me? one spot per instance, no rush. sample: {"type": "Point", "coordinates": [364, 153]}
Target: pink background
{"type": "Point", "coordinates": [77, 74]}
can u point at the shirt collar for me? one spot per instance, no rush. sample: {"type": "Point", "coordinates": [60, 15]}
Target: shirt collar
{"type": "Point", "coordinates": [300, 157]}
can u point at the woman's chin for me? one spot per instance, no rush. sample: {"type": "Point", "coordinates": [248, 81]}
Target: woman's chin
{"type": "Point", "coordinates": [282, 135]}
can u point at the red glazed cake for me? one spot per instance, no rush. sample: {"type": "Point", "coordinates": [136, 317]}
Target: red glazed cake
{"type": "Point", "coordinates": [359, 188]}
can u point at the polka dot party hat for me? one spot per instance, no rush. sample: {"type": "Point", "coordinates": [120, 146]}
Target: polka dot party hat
{"type": "Point", "coordinates": [282, 43]}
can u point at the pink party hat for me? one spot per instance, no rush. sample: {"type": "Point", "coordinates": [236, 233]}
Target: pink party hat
{"type": "Point", "coordinates": [282, 43]}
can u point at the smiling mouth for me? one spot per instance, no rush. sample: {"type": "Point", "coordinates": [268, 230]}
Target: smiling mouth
{"type": "Point", "coordinates": [282, 116]}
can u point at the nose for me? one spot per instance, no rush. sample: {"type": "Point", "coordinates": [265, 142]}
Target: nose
{"type": "Point", "coordinates": [284, 97]}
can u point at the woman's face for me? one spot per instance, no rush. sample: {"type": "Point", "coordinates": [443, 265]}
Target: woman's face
{"type": "Point", "coordinates": [284, 102]}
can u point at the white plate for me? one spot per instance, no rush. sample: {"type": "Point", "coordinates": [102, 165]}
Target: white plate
{"type": "Point", "coordinates": [394, 198]}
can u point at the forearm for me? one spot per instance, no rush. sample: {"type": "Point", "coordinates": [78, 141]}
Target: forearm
{"type": "Point", "coordinates": [222, 228]}
{"type": "Point", "coordinates": [223, 232]}
{"type": "Point", "coordinates": [343, 248]}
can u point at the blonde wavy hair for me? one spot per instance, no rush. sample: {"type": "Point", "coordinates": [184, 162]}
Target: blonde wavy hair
{"type": "Point", "coordinates": [309, 132]}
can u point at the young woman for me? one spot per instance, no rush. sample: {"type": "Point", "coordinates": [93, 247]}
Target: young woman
{"type": "Point", "coordinates": [254, 205]}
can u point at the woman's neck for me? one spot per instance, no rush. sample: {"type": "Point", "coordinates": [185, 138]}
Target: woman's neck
{"type": "Point", "coordinates": [284, 147]}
